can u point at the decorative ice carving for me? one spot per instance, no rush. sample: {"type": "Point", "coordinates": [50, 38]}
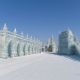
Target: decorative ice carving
{"type": "Point", "coordinates": [15, 30]}
{"type": "Point", "coordinates": [12, 46]}
{"type": "Point", "coordinates": [68, 43]}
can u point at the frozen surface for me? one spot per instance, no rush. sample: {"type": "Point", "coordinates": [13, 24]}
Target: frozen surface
{"type": "Point", "coordinates": [40, 67]}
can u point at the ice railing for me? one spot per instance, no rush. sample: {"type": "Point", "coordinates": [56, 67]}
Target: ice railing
{"type": "Point", "coordinates": [22, 37]}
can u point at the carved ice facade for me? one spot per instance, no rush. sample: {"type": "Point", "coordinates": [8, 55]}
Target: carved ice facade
{"type": "Point", "coordinates": [68, 43]}
{"type": "Point", "coordinates": [13, 45]}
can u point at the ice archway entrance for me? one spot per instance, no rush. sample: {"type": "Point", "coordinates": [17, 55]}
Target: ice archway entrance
{"type": "Point", "coordinates": [10, 49]}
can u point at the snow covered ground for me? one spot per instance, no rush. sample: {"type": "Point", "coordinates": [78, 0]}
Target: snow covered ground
{"type": "Point", "coordinates": [45, 66]}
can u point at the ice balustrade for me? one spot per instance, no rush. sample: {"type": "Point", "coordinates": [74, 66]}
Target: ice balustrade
{"type": "Point", "coordinates": [22, 37]}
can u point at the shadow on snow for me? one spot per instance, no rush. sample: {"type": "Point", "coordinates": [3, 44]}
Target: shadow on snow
{"type": "Point", "coordinates": [72, 57]}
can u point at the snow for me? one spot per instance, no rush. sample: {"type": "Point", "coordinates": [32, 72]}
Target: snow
{"type": "Point", "coordinates": [44, 66]}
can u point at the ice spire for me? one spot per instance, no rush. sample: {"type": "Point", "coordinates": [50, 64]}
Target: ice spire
{"type": "Point", "coordinates": [69, 29]}
{"type": "Point", "coordinates": [5, 27]}
{"type": "Point", "coordinates": [27, 36]}
{"type": "Point", "coordinates": [31, 37]}
{"type": "Point", "coordinates": [15, 30]}
{"type": "Point", "coordinates": [21, 33]}
{"type": "Point", "coordinates": [5, 24]}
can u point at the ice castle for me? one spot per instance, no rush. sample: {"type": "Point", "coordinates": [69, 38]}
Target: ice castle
{"type": "Point", "coordinates": [50, 46]}
{"type": "Point", "coordinates": [68, 43]}
{"type": "Point", "coordinates": [13, 44]}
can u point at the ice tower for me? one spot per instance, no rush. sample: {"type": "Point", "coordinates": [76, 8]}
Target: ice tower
{"type": "Point", "coordinates": [68, 43]}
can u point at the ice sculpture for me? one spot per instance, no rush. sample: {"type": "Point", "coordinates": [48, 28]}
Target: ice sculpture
{"type": "Point", "coordinates": [13, 44]}
{"type": "Point", "coordinates": [68, 43]}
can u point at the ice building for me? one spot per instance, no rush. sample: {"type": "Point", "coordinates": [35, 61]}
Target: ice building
{"type": "Point", "coordinates": [13, 44]}
{"type": "Point", "coordinates": [68, 43]}
{"type": "Point", "coordinates": [50, 46]}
